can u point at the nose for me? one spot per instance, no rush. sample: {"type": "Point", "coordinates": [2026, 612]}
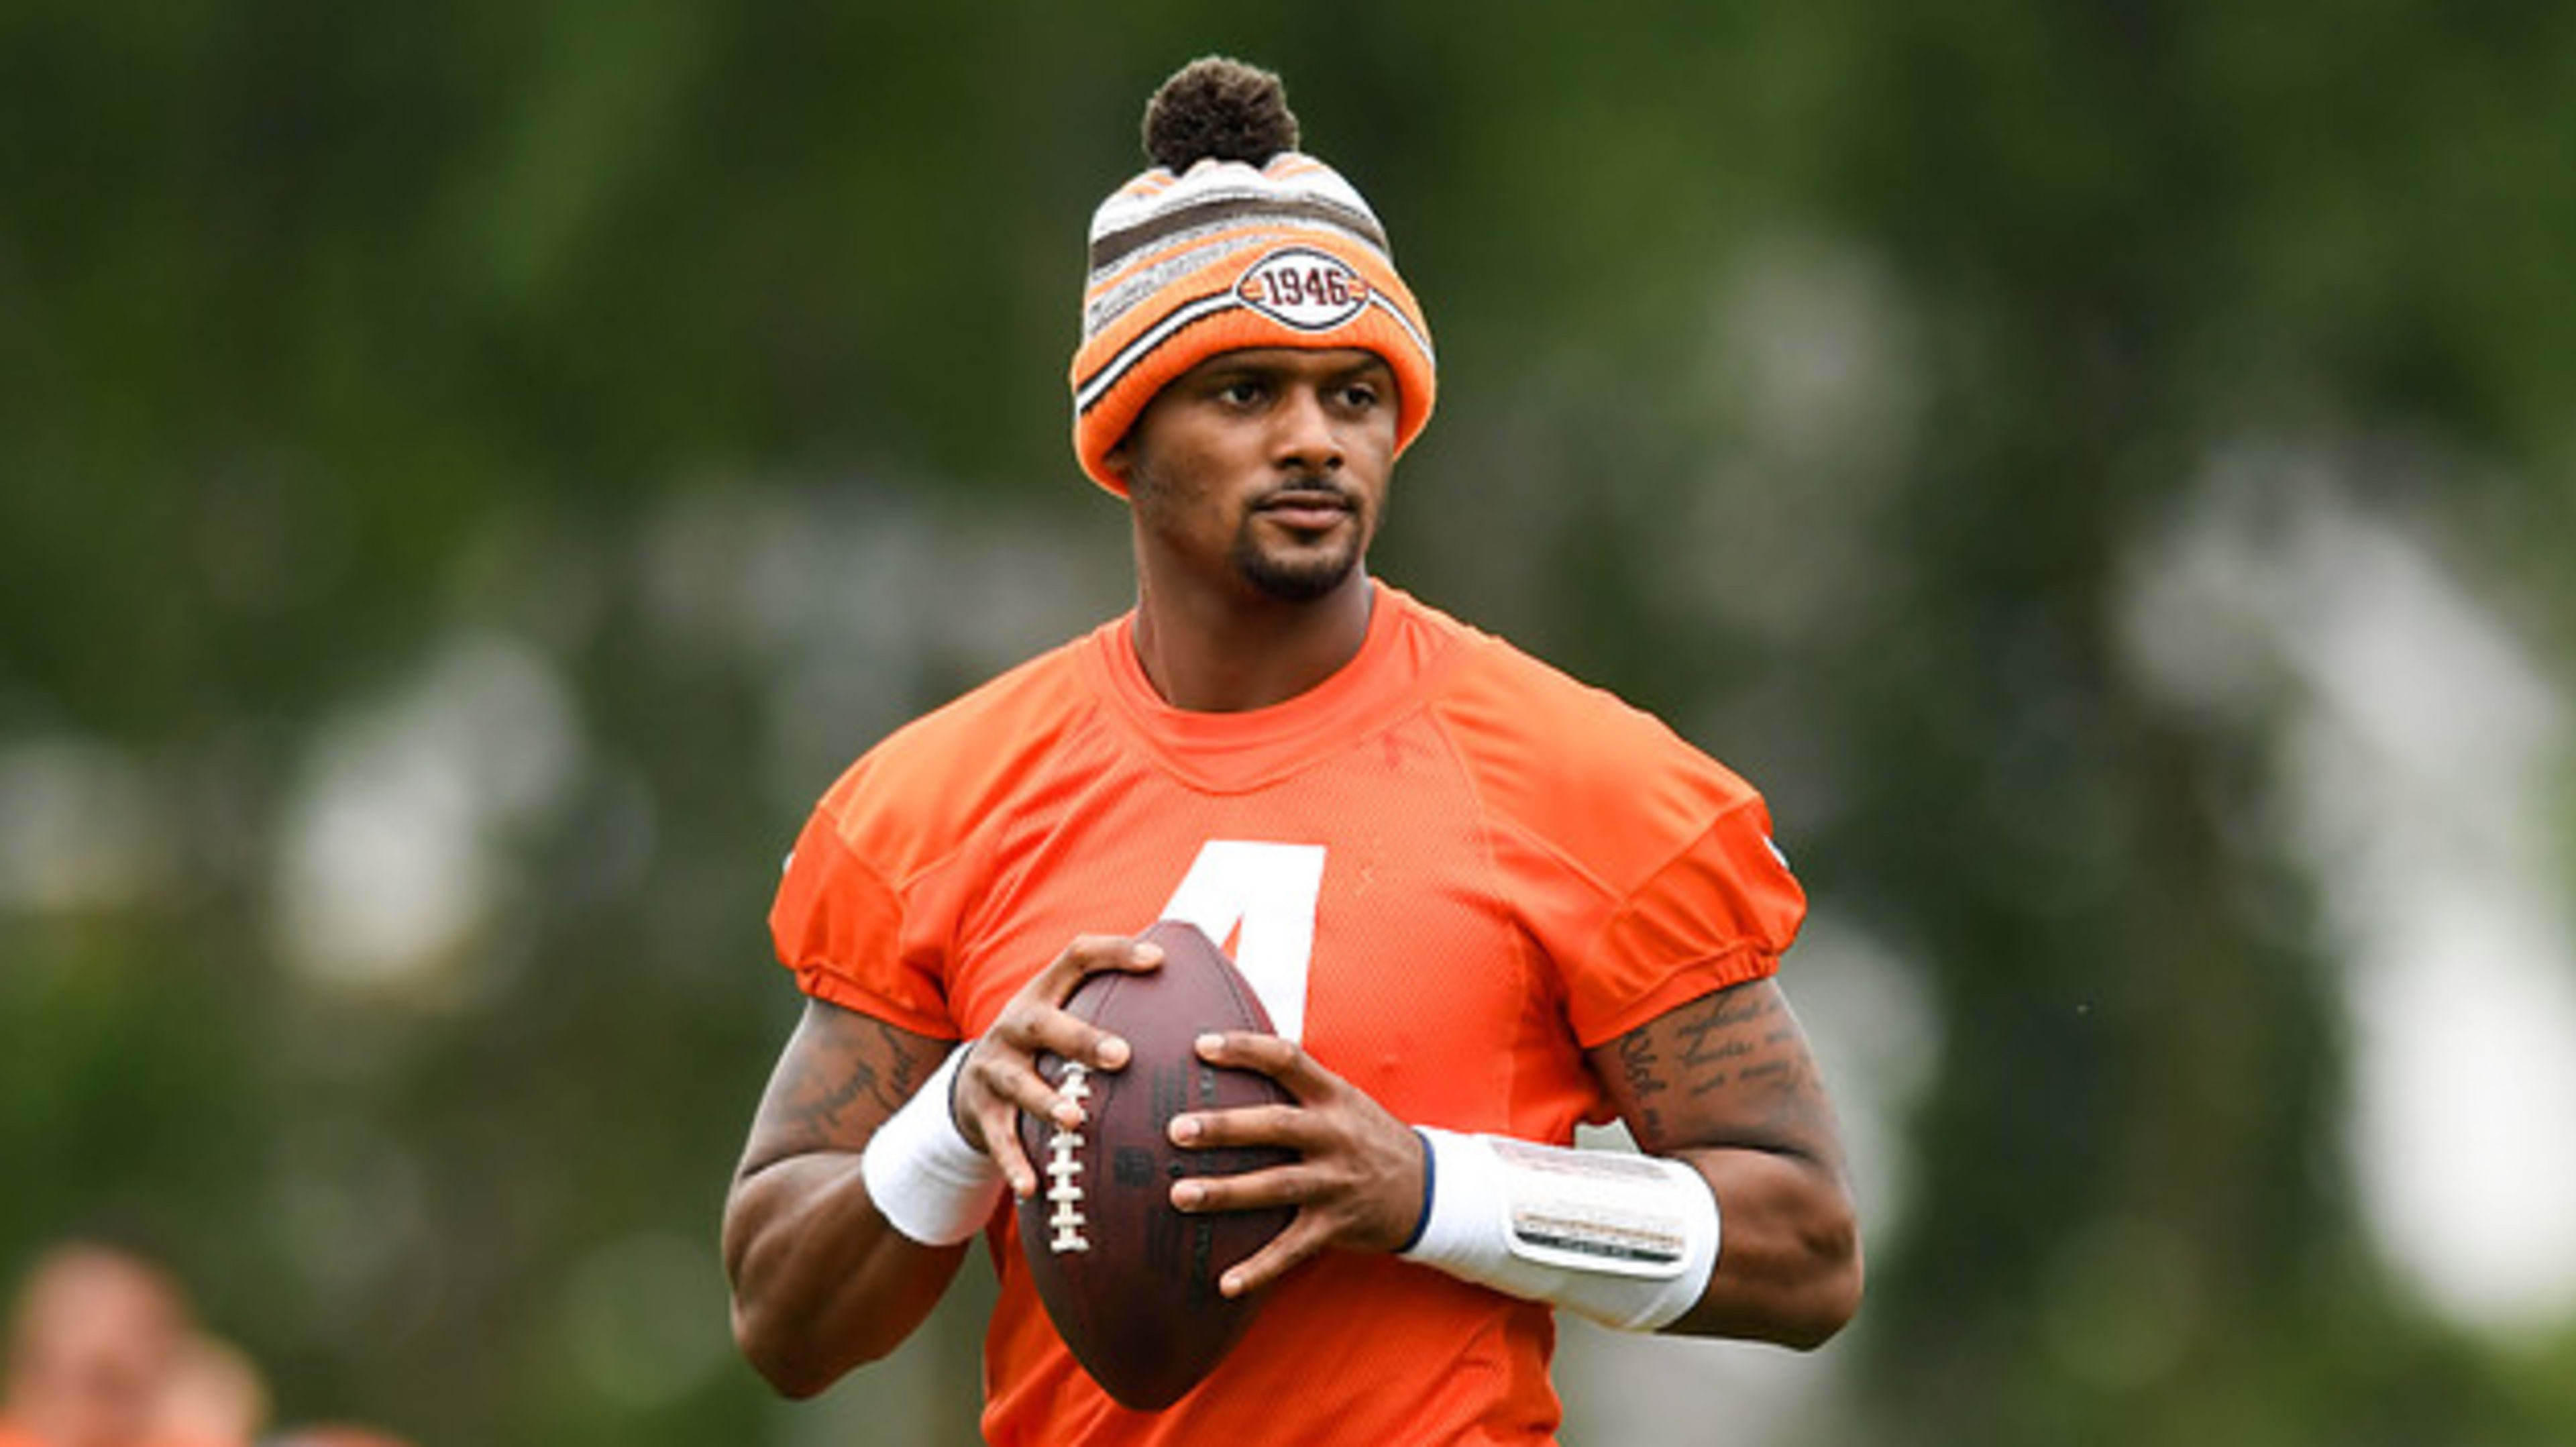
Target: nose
{"type": "Point", "coordinates": [1306, 439]}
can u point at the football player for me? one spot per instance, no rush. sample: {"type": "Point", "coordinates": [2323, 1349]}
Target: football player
{"type": "Point", "coordinates": [1482, 903]}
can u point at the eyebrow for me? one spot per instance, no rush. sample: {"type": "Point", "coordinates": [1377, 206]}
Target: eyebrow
{"type": "Point", "coordinates": [1370, 366]}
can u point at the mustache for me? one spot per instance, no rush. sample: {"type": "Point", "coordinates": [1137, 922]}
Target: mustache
{"type": "Point", "coordinates": [1306, 488]}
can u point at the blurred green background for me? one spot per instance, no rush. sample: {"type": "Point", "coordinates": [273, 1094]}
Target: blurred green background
{"type": "Point", "coordinates": [471, 474]}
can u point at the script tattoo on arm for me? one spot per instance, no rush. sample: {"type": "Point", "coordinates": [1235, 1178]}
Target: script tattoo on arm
{"type": "Point", "coordinates": [1637, 1066]}
{"type": "Point", "coordinates": [879, 1069]}
{"type": "Point", "coordinates": [841, 1075]}
{"type": "Point", "coordinates": [1731, 1068]}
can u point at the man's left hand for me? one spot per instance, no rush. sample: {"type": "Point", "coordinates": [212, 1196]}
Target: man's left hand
{"type": "Point", "coordinates": [1357, 1182]}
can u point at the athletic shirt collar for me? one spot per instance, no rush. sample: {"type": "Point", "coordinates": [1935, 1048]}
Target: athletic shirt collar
{"type": "Point", "coordinates": [1236, 751]}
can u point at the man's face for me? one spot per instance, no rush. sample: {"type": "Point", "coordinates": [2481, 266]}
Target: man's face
{"type": "Point", "coordinates": [1264, 469]}
{"type": "Point", "coordinates": [94, 1346]}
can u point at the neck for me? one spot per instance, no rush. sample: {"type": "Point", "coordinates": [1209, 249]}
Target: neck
{"type": "Point", "coordinates": [1229, 657]}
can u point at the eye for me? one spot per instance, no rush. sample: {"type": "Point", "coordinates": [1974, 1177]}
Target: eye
{"type": "Point", "coordinates": [1360, 396]}
{"type": "Point", "coordinates": [1241, 392]}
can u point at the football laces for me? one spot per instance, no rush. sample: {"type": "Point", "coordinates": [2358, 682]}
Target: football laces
{"type": "Point", "coordinates": [1064, 1171]}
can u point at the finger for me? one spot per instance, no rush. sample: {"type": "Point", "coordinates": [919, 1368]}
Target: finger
{"type": "Point", "coordinates": [1067, 1035]}
{"type": "Point", "coordinates": [1280, 1059]}
{"type": "Point", "coordinates": [1290, 1126]}
{"type": "Point", "coordinates": [988, 1116]}
{"type": "Point", "coordinates": [1288, 1185]}
{"type": "Point", "coordinates": [1091, 955]}
{"type": "Point", "coordinates": [1013, 1080]}
{"type": "Point", "coordinates": [1002, 1143]}
{"type": "Point", "coordinates": [1304, 1237]}
{"type": "Point", "coordinates": [1037, 1021]}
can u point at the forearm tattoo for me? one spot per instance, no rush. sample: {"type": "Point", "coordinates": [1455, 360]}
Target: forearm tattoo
{"type": "Point", "coordinates": [834, 1085]}
{"type": "Point", "coordinates": [1645, 1086]}
{"type": "Point", "coordinates": [1731, 1068]}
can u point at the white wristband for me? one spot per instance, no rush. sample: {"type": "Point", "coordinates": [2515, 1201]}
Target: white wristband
{"type": "Point", "coordinates": [925, 1179]}
{"type": "Point", "coordinates": [1627, 1240]}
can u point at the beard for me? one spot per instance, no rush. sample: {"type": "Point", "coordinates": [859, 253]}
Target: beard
{"type": "Point", "coordinates": [1301, 578]}
{"type": "Point", "coordinates": [1282, 571]}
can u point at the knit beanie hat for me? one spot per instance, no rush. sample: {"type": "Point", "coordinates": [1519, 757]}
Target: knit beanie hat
{"type": "Point", "coordinates": [1232, 239]}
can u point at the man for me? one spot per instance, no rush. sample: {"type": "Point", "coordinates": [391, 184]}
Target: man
{"type": "Point", "coordinates": [94, 1342]}
{"type": "Point", "coordinates": [1481, 902]}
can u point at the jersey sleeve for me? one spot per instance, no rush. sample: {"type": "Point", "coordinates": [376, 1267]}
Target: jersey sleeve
{"type": "Point", "coordinates": [867, 913]}
{"type": "Point", "coordinates": [840, 926]}
{"type": "Point", "coordinates": [1642, 868]}
{"type": "Point", "coordinates": [1720, 913]}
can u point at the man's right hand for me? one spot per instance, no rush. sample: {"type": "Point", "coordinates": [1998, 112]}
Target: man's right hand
{"type": "Point", "coordinates": [999, 1076]}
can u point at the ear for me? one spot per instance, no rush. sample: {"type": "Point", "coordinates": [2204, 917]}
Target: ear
{"type": "Point", "coordinates": [1120, 460]}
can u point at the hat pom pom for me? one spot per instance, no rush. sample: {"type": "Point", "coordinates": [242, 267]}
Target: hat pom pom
{"type": "Point", "coordinates": [1218, 109]}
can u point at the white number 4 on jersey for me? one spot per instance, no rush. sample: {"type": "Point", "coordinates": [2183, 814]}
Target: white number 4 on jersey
{"type": "Point", "coordinates": [1258, 901]}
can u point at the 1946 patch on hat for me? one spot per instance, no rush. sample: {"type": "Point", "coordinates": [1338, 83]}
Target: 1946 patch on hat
{"type": "Point", "coordinates": [1301, 287]}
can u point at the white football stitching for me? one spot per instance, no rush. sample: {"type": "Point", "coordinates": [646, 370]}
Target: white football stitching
{"type": "Point", "coordinates": [1061, 1168]}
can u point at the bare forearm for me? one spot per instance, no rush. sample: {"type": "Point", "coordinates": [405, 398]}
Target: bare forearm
{"type": "Point", "coordinates": [823, 1278]}
{"type": "Point", "coordinates": [821, 1283]}
{"type": "Point", "coordinates": [1727, 1084]}
{"type": "Point", "coordinates": [1789, 1258]}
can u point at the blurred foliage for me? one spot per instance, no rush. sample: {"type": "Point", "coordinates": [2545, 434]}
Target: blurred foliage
{"type": "Point", "coordinates": [332, 334]}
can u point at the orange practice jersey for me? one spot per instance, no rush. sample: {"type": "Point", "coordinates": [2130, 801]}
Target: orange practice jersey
{"type": "Point", "coordinates": [1448, 869]}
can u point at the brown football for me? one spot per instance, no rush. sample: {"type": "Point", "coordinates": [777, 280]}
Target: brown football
{"type": "Point", "coordinates": [1130, 1282]}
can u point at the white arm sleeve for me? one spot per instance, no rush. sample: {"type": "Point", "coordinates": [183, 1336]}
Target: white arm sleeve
{"type": "Point", "coordinates": [1627, 1240]}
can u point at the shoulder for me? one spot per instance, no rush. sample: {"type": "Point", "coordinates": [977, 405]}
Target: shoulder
{"type": "Point", "coordinates": [924, 787]}
{"type": "Point", "coordinates": [1582, 770]}
{"type": "Point", "coordinates": [1530, 726]}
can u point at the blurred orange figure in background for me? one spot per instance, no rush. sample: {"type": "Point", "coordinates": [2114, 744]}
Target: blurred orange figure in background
{"type": "Point", "coordinates": [94, 1341]}
{"type": "Point", "coordinates": [215, 1397]}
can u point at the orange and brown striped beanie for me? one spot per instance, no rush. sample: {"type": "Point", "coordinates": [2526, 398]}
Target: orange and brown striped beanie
{"type": "Point", "coordinates": [1234, 239]}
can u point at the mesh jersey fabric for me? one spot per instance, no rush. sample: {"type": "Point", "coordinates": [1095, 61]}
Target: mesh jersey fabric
{"type": "Point", "coordinates": [1516, 868]}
